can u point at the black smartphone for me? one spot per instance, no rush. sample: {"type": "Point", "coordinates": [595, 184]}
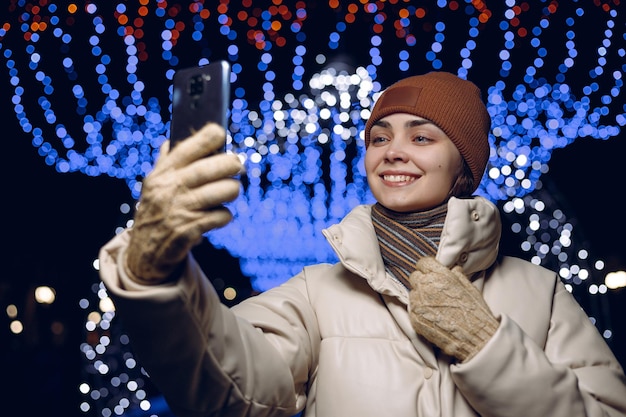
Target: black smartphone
{"type": "Point", "coordinates": [200, 95]}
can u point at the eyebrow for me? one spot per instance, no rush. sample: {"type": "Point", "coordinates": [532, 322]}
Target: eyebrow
{"type": "Point", "coordinates": [409, 124]}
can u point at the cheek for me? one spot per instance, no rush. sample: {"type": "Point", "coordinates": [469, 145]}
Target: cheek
{"type": "Point", "coordinates": [450, 169]}
{"type": "Point", "coordinates": [369, 165]}
{"type": "Point", "coordinates": [446, 166]}
{"type": "Point", "coordinates": [452, 162]}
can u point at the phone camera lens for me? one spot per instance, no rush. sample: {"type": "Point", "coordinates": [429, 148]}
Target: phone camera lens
{"type": "Point", "coordinates": [196, 85]}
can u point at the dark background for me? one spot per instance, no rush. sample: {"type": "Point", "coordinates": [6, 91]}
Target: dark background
{"type": "Point", "coordinates": [54, 225]}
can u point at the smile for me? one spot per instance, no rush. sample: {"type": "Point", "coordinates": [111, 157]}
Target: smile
{"type": "Point", "coordinates": [398, 178]}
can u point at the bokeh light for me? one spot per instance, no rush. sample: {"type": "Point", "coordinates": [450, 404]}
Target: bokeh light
{"type": "Point", "coordinates": [91, 87]}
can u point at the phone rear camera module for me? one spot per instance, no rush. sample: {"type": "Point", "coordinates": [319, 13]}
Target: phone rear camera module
{"type": "Point", "coordinates": [196, 85]}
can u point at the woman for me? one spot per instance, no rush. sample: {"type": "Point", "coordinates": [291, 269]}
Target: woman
{"type": "Point", "coordinates": [420, 317]}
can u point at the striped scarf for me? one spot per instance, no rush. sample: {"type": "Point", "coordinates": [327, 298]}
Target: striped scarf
{"type": "Point", "coordinates": [404, 238]}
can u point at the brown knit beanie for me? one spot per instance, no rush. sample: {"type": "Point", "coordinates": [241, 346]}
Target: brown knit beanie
{"type": "Point", "coordinates": [453, 104]}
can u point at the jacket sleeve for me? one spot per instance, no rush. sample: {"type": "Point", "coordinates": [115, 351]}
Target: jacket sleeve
{"type": "Point", "coordinates": [207, 360]}
{"type": "Point", "coordinates": [574, 374]}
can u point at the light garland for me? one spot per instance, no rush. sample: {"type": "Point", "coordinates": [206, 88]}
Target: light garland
{"type": "Point", "coordinates": [91, 87]}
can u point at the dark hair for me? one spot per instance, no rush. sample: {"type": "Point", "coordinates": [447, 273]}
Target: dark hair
{"type": "Point", "coordinates": [464, 184]}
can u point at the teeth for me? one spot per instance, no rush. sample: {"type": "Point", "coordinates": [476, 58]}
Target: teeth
{"type": "Point", "coordinates": [398, 178]}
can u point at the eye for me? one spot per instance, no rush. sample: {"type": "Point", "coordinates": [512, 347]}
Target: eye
{"type": "Point", "coordinates": [421, 139]}
{"type": "Point", "coordinates": [378, 140]}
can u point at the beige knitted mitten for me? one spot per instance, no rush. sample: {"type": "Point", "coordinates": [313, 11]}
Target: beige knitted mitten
{"type": "Point", "coordinates": [448, 310]}
{"type": "Point", "coordinates": [181, 199]}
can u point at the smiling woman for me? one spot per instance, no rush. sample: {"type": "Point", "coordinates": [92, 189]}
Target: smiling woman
{"type": "Point", "coordinates": [421, 267]}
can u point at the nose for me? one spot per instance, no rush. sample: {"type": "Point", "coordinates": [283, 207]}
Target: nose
{"type": "Point", "coordinates": [396, 152]}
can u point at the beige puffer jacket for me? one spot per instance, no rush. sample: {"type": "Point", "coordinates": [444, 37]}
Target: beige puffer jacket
{"type": "Point", "coordinates": [336, 340]}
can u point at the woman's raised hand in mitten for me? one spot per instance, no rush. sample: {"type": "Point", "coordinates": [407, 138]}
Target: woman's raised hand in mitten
{"type": "Point", "coordinates": [181, 199]}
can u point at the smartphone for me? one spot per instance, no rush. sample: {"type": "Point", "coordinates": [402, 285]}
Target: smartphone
{"type": "Point", "coordinates": [200, 95]}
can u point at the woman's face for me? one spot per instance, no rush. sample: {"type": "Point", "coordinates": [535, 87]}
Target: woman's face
{"type": "Point", "coordinates": [410, 163]}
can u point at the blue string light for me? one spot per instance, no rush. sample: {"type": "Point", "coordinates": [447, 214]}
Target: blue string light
{"type": "Point", "coordinates": [92, 89]}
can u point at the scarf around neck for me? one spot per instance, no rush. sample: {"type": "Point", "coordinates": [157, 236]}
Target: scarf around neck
{"type": "Point", "coordinates": [404, 238]}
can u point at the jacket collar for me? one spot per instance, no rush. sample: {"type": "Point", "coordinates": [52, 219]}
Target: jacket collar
{"type": "Point", "coordinates": [471, 235]}
{"type": "Point", "coordinates": [470, 238]}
